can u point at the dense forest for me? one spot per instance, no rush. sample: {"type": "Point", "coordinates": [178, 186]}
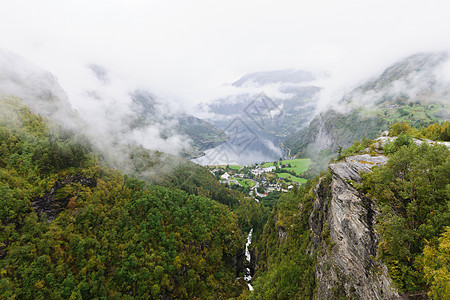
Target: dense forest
{"type": "Point", "coordinates": [285, 269]}
{"type": "Point", "coordinates": [412, 192]}
{"type": "Point", "coordinates": [73, 227]}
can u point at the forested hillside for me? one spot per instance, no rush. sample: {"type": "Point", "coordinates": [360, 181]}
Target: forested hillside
{"type": "Point", "coordinates": [413, 193]}
{"type": "Point", "coordinates": [247, 150]}
{"type": "Point", "coordinates": [411, 90]}
{"type": "Point", "coordinates": [407, 213]}
{"type": "Point", "coordinates": [72, 227]}
{"type": "Point", "coordinates": [149, 111]}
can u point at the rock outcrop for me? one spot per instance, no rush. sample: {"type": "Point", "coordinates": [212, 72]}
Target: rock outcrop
{"type": "Point", "coordinates": [384, 139]}
{"type": "Point", "coordinates": [344, 237]}
{"type": "Point", "coordinates": [51, 203]}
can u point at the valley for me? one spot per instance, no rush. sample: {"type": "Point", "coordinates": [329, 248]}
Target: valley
{"type": "Point", "coordinates": [225, 150]}
{"type": "Point", "coordinates": [263, 183]}
{"type": "Point", "coordinates": [111, 206]}
{"type": "Point", "coordinates": [265, 109]}
{"type": "Point", "coordinates": [262, 180]}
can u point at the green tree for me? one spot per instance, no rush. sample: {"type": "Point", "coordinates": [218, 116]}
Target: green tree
{"type": "Point", "coordinates": [411, 191]}
{"type": "Point", "coordinates": [437, 267]}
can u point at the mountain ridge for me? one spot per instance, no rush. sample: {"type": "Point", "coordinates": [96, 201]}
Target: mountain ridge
{"type": "Point", "coordinates": [41, 91]}
{"type": "Point", "coordinates": [400, 93]}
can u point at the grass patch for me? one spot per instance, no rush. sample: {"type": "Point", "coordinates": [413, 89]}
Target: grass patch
{"type": "Point", "coordinates": [292, 178]}
{"type": "Point", "coordinates": [299, 165]}
{"type": "Point", "coordinates": [420, 114]}
{"type": "Point", "coordinates": [245, 182]}
{"type": "Point", "coordinates": [269, 164]}
{"type": "Point", "coordinates": [235, 167]}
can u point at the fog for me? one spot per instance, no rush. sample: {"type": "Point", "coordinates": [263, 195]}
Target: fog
{"type": "Point", "coordinates": [189, 52]}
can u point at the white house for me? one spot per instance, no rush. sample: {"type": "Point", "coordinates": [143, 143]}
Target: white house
{"type": "Point", "coordinates": [225, 176]}
{"type": "Point", "coordinates": [269, 169]}
{"type": "Point", "coordinates": [260, 171]}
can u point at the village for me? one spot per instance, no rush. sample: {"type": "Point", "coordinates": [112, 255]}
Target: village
{"type": "Point", "coordinates": [265, 179]}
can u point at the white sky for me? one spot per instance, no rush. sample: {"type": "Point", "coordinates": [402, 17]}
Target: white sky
{"type": "Point", "coordinates": [188, 50]}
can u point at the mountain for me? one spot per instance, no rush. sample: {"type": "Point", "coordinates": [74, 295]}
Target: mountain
{"type": "Point", "coordinates": [109, 115]}
{"type": "Point", "coordinates": [93, 231]}
{"type": "Point", "coordinates": [279, 76]}
{"type": "Point", "coordinates": [73, 227]}
{"type": "Point", "coordinates": [414, 90]}
{"type": "Point", "coordinates": [203, 134]}
{"type": "Point", "coordinates": [353, 234]}
{"type": "Point", "coordinates": [39, 89]}
{"type": "Point", "coordinates": [150, 112]}
{"type": "Point", "coordinates": [417, 76]}
{"type": "Point", "coordinates": [84, 215]}
{"type": "Point", "coordinates": [276, 115]}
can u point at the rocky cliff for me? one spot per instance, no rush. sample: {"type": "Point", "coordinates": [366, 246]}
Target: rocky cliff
{"type": "Point", "coordinates": [344, 237]}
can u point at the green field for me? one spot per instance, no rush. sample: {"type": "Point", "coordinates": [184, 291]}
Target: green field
{"type": "Point", "coordinates": [245, 182]}
{"type": "Point", "coordinates": [416, 113]}
{"type": "Point", "coordinates": [269, 164]}
{"type": "Point", "coordinates": [232, 167]}
{"type": "Point", "coordinates": [292, 178]}
{"type": "Point", "coordinates": [299, 165]}
{"type": "Point", "coordinates": [235, 167]}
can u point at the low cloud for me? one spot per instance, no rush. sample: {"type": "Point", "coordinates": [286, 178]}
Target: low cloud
{"type": "Point", "coordinates": [104, 111]}
{"type": "Point", "coordinates": [189, 51]}
{"type": "Point", "coordinates": [423, 77]}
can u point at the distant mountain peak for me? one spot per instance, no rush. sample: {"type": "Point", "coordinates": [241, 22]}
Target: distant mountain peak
{"type": "Point", "coordinates": [36, 87]}
{"type": "Point", "coordinates": [100, 72]}
{"type": "Point", "coordinates": [424, 63]}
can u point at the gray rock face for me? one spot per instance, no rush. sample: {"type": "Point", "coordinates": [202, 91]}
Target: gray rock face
{"type": "Point", "coordinates": [383, 140]}
{"type": "Point", "coordinates": [354, 166]}
{"type": "Point", "coordinates": [323, 139]}
{"type": "Point", "coordinates": [343, 222]}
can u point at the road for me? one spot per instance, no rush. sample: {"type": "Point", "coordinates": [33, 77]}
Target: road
{"type": "Point", "coordinates": [255, 188]}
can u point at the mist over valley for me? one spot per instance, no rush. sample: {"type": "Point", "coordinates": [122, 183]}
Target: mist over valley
{"type": "Point", "coordinates": [224, 150]}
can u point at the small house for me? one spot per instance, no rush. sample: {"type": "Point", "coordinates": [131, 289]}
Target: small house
{"type": "Point", "coordinates": [225, 176]}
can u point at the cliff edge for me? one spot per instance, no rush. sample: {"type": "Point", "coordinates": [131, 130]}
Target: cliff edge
{"type": "Point", "coordinates": [344, 237]}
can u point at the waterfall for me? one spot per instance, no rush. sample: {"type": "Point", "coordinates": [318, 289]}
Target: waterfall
{"type": "Point", "coordinates": [248, 257]}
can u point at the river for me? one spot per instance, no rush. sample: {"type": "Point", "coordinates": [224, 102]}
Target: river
{"type": "Point", "coordinates": [248, 257]}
